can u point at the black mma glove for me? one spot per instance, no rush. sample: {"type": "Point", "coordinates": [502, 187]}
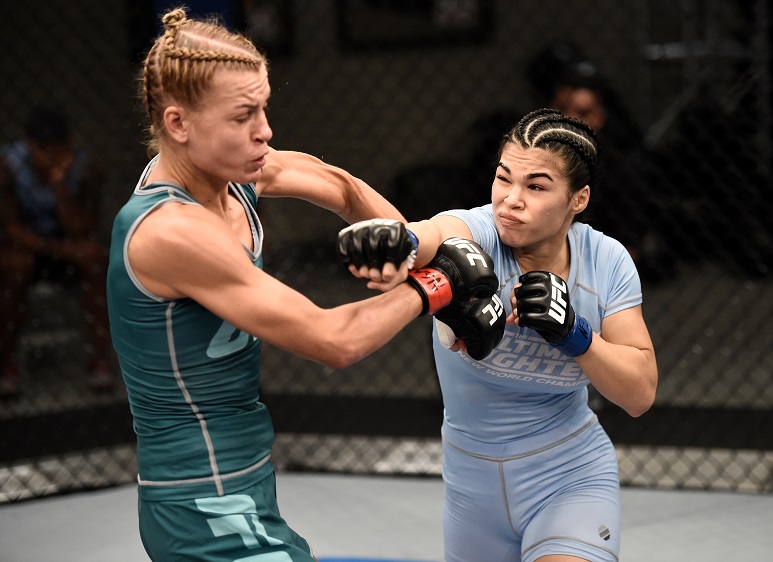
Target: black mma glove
{"type": "Point", "coordinates": [543, 305]}
{"type": "Point", "coordinates": [480, 323]}
{"type": "Point", "coordinates": [460, 270]}
{"type": "Point", "coordinates": [375, 242]}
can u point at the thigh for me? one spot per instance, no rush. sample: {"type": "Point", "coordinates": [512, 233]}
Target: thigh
{"type": "Point", "coordinates": [476, 523]}
{"type": "Point", "coordinates": [234, 528]}
{"type": "Point", "coordinates": [578, 512]}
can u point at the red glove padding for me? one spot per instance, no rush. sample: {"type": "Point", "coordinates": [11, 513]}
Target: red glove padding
{"type": "Point", "coordinates": [460, 270]}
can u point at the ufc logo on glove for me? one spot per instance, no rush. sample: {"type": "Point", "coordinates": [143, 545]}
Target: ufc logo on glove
{"type": "Point", "coordinates": [473, 253]}
{"type": "Point", "coordinates": [542, 301]}
{"type": "Point", "coordinates": [558, 300]}
{"type": "Point", "coordinates": [495, 309]}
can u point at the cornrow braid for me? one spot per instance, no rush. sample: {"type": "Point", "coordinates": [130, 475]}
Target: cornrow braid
{"type": "Point", "coordinates": [567, 137]}
{"type": "Point", "coordinates": [180, 64]}
{"type": "Point", "coordinates": [203, 56]}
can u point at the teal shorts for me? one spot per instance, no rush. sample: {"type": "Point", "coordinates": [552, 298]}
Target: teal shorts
{"type": "Point", "coordinates": [243, 527]}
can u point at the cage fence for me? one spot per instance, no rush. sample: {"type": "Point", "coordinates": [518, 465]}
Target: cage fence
{"type": "Point", "coordinates": [416, 108]}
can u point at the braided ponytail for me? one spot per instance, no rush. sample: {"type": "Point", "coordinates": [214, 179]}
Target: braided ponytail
{"type": "Point", "coordinates": [174, 19]}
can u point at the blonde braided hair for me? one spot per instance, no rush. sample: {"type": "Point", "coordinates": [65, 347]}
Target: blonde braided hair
{"type": "Point", "coordinates": [180, 65]}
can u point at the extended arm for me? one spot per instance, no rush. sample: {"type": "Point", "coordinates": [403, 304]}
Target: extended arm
{"type": "Point", "coordinates": [186, 251]}
{"type": "Point", "coordinates": [432, 232]}
{"type": "Point", "coordinates": [473, 321]}
{"type": "Point", "coordinates": [302, 176]}
{"type": "Point", "coordinates": [429, 235]}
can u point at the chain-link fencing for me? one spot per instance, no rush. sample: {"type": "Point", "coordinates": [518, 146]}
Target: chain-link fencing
{"type": "Point", "coordinates": [413, 97]}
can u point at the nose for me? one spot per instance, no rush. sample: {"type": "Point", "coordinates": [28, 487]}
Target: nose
{"type": "Point", "coordinates": [514, 198]}
{"type": "Point", "coordinates": [263, 132]}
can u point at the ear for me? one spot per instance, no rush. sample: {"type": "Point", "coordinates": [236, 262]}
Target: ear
{"type": "Point", "coordinates": [176, 123]}
{"type": "Point", "coordinates": [581, 199]}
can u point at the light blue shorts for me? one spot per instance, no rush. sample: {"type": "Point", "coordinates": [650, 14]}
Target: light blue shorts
{"type": "Point", "coordinates": [561, 499]}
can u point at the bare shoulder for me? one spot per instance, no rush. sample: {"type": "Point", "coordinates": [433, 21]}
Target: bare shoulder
{"type": "Point", "coordinates": [176, 244]}
{"type": "Point", "coordinates": [176, 224]}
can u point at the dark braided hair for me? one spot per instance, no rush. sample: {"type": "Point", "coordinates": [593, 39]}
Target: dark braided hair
{"type": "Point", "coordinates": [570, 139]}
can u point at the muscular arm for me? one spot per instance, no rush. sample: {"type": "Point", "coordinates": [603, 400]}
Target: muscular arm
{"type": "Point", "coordinates": [432, 232]}
{"type": "Point", "coordinates": [300, 175]}
{"type": "Point", "coordinates": [185, 251]}
{"type": "Point", "coordinates": [621, 364]}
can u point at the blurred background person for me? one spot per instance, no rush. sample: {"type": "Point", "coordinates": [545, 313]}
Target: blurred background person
{"type": "Point", "coordinates": [49, 205]}
{"type": "Point", "coordinates": [624, 201]}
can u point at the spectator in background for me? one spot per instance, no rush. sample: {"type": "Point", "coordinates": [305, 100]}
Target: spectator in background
{"type": "Point", "coordinates": [563, 75]}
{"type": "Point", "coordinates": [623, 204]}
{"type": "Point", "coordinates": [623, 201]}
{"type": "Point", "coordinates": [644, 192]}
{"type": "Point", "coordinates": [49, 195]}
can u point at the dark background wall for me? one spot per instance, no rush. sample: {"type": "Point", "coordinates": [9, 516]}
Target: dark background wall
{"type": "Point", "coordinates": [371, 110]}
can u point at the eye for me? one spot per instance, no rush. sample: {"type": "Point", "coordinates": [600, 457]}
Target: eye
{"type": "Point", "coordinates": [536, 187]}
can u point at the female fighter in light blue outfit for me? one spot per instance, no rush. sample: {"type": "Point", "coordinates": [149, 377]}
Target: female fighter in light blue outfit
{"type": "Point", "coordinates": [529, 473]}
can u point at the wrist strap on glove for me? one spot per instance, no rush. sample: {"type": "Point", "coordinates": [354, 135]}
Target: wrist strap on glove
{"type": "Point", "coordinates": [578, 340]}
{"type": "Point", "coordinates": [433, 287]}
{"type": "Point", "coordinates": [411, 259]}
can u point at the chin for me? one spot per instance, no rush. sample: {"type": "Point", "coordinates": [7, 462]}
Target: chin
{"type": "Point", "coordinates": [511, 240]}
{"type": "Point", "coordinates": [504, 235]}
{"type": "Point", "coordinates": [251, 176]}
